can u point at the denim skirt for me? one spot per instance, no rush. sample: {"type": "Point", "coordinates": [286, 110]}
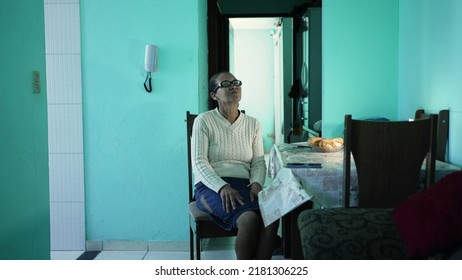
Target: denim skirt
{"type": "Point", "coordinates": [209, 201]}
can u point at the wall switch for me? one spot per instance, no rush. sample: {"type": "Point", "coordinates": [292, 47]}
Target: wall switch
{"type": "Point", "coordinates": [36, 82]}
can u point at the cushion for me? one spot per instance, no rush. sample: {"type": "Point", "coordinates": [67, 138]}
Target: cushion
{"type": "Point", "coordinates": [349, 234]}
{"type": "Point", "coordinates": [197, 214]}
{"type": "Point", "coordinates": [430, 222]}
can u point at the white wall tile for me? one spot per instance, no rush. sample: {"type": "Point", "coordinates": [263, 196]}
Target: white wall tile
{"type": "Point", "coordinates": [64, 79]}
{"type": "Point", "coordinates": [62, 27]}
{"type": "Point", "coordinates": [65, 133]}
{"type": "Point", "coordinates": [61, 1]}
{"type": "Point", "coordinates": [67, 229]}
{"type": "Point", "coordinates": [66, 178]}
{"type": "Point", "coordinates": [65, 129]}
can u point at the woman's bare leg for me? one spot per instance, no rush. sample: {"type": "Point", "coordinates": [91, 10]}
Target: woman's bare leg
{"type": "Point", "coordinates": [248, 225]}
{"type": "Point", "coordinates": [267, 241]}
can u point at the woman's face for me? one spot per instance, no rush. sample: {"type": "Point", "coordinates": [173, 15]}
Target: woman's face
{"type": "Point", "coordinates": [227, 95]}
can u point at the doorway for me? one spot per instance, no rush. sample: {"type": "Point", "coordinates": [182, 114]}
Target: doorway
{"type": "Point", "coordinates": [256, 58]}
{"type": "Point", "coordinates": [289, 100]}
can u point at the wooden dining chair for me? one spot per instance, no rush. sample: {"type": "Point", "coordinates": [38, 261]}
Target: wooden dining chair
{"type": "Point", "coordinates": [442, 134]}
{"type": "Point", "coordinates": [201, 226]}
{"type": "Point", "coordinates": [388, 158]}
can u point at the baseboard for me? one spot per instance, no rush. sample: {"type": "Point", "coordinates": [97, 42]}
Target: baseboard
{"type": "Point", "coordinates": [117, 245]}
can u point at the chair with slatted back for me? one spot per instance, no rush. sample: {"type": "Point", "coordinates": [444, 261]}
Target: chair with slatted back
{"type": "Point", "coordinates": [201, 226]}
{"type": "Point", "coordinates": [388, 158]}
{"type": "Point", "coordinates": [442, 131]}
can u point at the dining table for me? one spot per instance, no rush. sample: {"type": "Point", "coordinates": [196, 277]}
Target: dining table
{"type": "Point", "coordinates": [321, 174]}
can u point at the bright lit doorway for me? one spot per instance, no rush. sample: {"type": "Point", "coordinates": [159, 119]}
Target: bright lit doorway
{"type": "Point", "coordinates": [260, 55]}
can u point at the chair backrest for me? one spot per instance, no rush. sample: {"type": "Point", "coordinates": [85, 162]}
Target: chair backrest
{"type": "Point", "coordinates": [189, 127]}
{"type": "Point", "coordinates": [388, 158]}
{"type": "Point", "coordinates": [442, 131]}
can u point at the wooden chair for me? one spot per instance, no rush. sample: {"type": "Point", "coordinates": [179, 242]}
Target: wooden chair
{"type": "Point", "coordinates": [201, 226]}
{"type": "Point", "coordinates": [442, 131]}
{"type": "Point", "coordinates": [388, 158]}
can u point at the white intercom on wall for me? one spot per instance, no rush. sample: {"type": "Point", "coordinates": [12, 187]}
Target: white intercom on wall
{"type": "Point", "coordinates": [150, 58]}
{"type": "Point", "coordinates": [150, 64]}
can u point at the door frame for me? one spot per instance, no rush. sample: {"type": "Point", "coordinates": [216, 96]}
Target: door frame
{"type": "Point", "coordinates": [218, 50]}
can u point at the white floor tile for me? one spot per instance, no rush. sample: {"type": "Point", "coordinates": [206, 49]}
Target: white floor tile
{"type": "Point", "coordinates": [218, 255]}
{"type": "Point", "coordinates": [166, 255]}
{"type": "Point", "coordinates": [121, 255]}
{"type": "Point", "coordinates": [65, 255]}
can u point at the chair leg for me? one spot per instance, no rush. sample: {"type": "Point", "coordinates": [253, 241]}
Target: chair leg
{"type": "Point", "coordinates": [198, 248]}
{"type": "Point", "coordinates": [191, 244]}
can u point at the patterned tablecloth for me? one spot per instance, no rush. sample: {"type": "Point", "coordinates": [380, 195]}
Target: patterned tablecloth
{"type": "Point", "coordinates": [326, 184]}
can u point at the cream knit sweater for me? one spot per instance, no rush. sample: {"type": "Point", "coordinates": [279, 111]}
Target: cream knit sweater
{"type": "Point", "coordinates": [221, 149]}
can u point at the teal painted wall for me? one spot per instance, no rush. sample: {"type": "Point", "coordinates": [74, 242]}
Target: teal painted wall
{"type": "Point", "coordinates": [360, 61]}
{"type": "Point", "coordinates": [202, 55]}
{"type": "Point", "coordinates": [389, 58]}
{"type": "Point", "coordinates": [430, 63]}
{"type": "Point", "coordinates": [134, 141]}
{"type": "Point", "coordinates": [24, 195]}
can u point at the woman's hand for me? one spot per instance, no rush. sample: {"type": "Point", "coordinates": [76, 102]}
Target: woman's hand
{"type": "Point", "coordinates": [255, 188]}
{"type": "Point", "coordinates": [229, 196]}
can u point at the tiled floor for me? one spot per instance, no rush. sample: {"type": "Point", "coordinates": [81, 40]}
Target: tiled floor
{"type": "Point", "coordinates": [214, 251]}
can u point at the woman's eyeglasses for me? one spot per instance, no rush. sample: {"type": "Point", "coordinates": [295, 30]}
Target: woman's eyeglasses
{"type": "Point", "coordinates": [227, 84]}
